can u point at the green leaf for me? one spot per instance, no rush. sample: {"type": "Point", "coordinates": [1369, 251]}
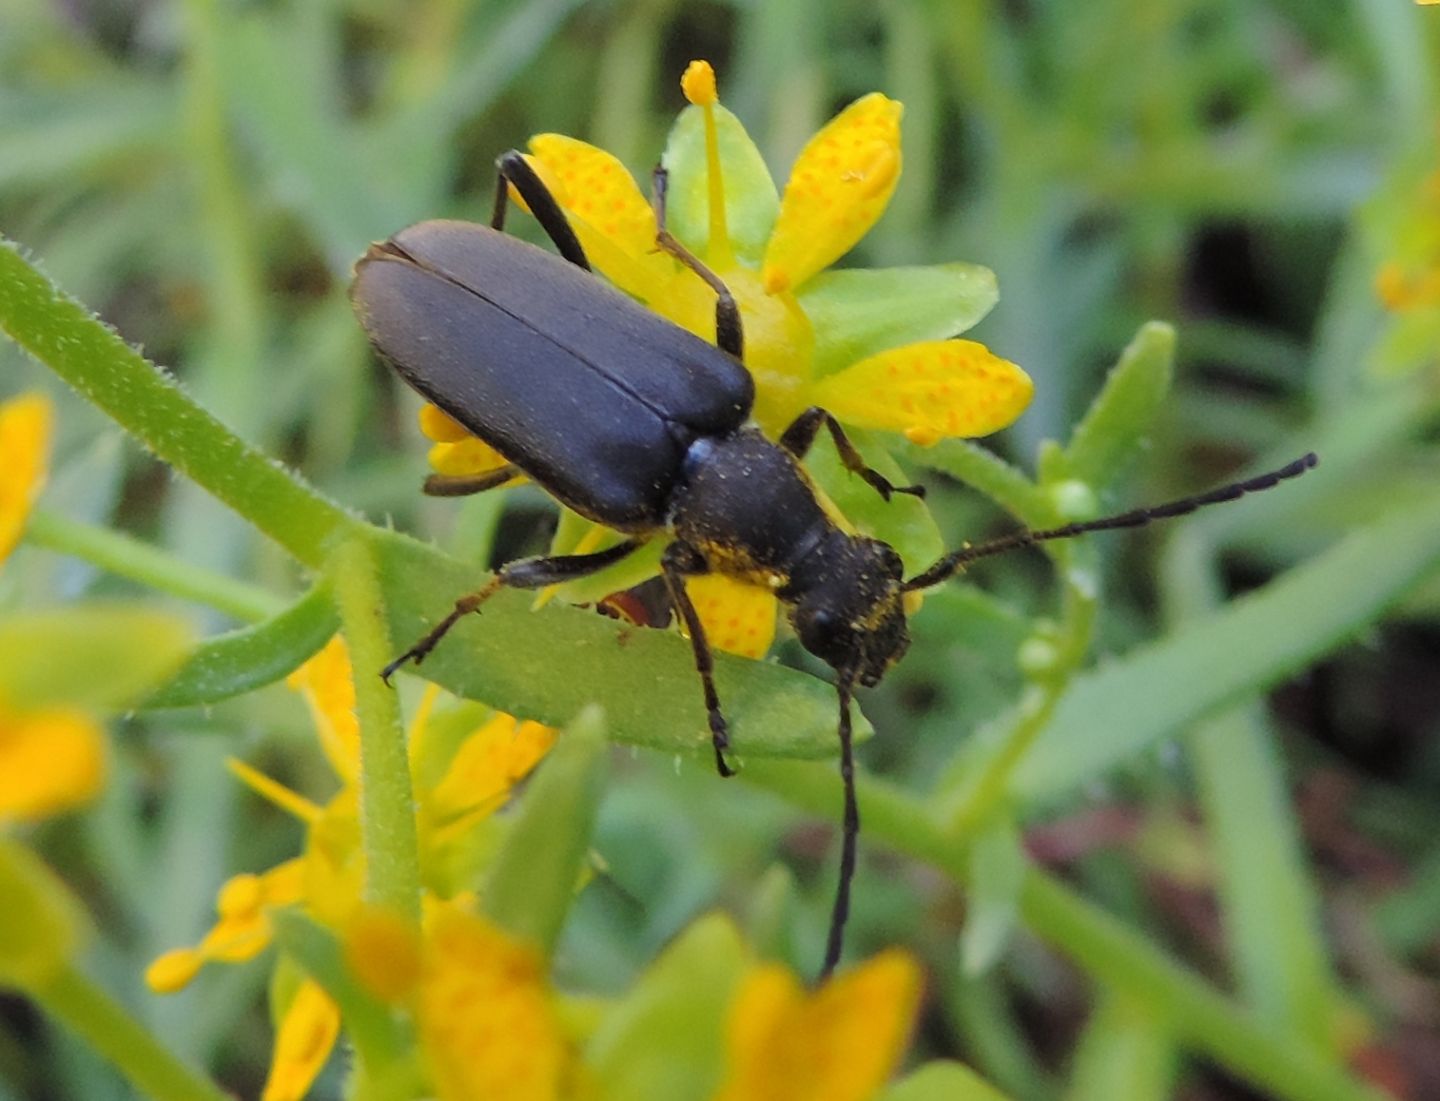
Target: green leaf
{"type": "Point", "coordinates": [997, 871]}
{"type": "Point", "coordinates": [42, 925]}
{"type": "Point", "coordinates": [1157, 690]}
{"type": "Point", "coordinates": [100, 657]}
{"type": "Point", "coordinates": [242, 661]}
{"type": "Point", "coordinates": [751, 202]}
{"type": "Point", "coordinates": [368, 1021]}
{"type": "Point", "coordinates": [1125, 1052]}
{"type": "Point", "coordinates": [548, 664]}
{"type": "Point", "coordinates": [943, 1082]}
{"type": "Point", "coordinates": [665, 1037]}
{"type": "Point", "coordinates": [1115, 426]}
{"type": "Point", "coordinates": [535, 874]}
{"type": "Point", "coordinates": [857, 312]}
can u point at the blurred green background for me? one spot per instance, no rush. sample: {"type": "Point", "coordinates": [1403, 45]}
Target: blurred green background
{"type": "Point", "coordinates": [204, 174]}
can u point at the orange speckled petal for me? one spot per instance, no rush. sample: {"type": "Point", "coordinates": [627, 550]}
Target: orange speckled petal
{"type": "Point", "coordinates": [929, 391]}
{"type": "Point", "coordinates": [838, 189]}
{"type": "Point", "coordinates": [738, 618]}
{"type": "Point", "coordinates": [484, 1016]}
{"type": "Point", "coordinates": [605, 207]}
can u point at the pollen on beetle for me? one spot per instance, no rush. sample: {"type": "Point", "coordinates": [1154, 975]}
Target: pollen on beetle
{"type": "Point", "coordinates": [698, 84]}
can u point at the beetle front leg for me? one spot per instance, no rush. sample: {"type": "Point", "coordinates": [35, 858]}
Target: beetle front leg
{"type": "Point", "coordinates": [798, 438]}
{"type": "Point", "coordinates": [525, 573]}
{"type": "Point", "coordinates": [680, 561]}
{"type": "Point", "coordinates": [513, 168]}
{"type": "Point", "coordinates": [729, 332]}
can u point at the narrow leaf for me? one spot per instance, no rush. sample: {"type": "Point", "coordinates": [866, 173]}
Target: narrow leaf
{"type": "Point", "coordinates": [943, 1082]}
{"type": "Point", "coordinates": [1155, 691]}
{"type": "Point", "coordinates": [660, 1039]}
{"type": "Point", "coordinates": [997, 871]}
{"type": "Point", "coordinates": [103, 657]}
{"type": "Point", "coordinates": [252, 657]}
{"type": "Point", "coordinates": [1123, 413]}
{"type": "Point", "coordinates": [537, 870]}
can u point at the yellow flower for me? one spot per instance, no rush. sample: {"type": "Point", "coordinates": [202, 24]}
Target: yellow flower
{"type": "Point", "coordinates": [471, 783]}
{"type": "Point", "coordinates": [841, 1043]}
{"type": "Point", "coordinates": [1404, 219]}
{"type": "Point", "coordinates": [873, 347]}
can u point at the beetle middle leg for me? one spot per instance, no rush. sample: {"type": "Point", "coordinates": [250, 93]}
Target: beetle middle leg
{"type": "Point", "coordinates": [801, 434]}
{"type": "Point", "coordinates": [513, 168]}
{"type": "Point", "coordinates": [464, 485]}
{"type": "Point", "coordinates": [524, 573]}
{"type": "Point", "coordinates": [680, 561]}
{"type": "Point", "coordinates": [729, 332]}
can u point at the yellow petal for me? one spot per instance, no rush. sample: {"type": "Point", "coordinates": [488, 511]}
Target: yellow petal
{"type": "Point", "coordinates": [440, 426]}
{"type": "Point", "coordinates": [173, 971]}
{"type": "Point", "coordinates": [465, 457]}
{"type": "Point", "coordinates": [488, 764]}
{"type": "Point", "coordinates": [307, 1034]}
{"type": "Point", "coordinates": [738, 618]}
{"type": "Point", "coordinates": [26, 425]}
{"type": "Point", "coordinates": [839, 187]}
{"type": "Point", "coordinates": [839, 1044]}
{"type": "Point", "coordinates": [929, 391]}
{"type": "Point", "coordinates": [605, 207]}
{"type": "Point", "coordinates": [50, 761]}
{"type": "Point", "coordinates": [327, 683]}
{"type": "Point", "coordinates": [484, 1015]}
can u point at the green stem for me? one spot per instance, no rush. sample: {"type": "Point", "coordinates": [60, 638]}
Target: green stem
{"type": "Point", "coordinates": [126, 556]}
{"type": "Point", "coordinates": [1202, 1018]}
{"type": "Point", "coordinates": [387, 805]}
{"type": "Point", "coordinates": [148, 403]}
{"type": "Point", "coordinates": [104, 1024]}
{"type": "Point", "coordinates": [977, 799]}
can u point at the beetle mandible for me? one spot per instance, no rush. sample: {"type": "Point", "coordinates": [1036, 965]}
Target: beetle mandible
{"type": "Point", "coordinates": [636, 424]}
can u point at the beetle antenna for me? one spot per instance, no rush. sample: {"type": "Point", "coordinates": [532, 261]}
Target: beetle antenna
{"type": "Point", "coordinates": [953, 563]}
{"type": "Point", "coordinates": [850, 831]}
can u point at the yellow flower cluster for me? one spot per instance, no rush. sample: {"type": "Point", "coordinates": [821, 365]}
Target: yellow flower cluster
{"type": "Point", "coordinates": [327, 879]}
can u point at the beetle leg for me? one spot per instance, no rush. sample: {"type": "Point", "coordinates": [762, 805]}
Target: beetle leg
{"type": "Point", "coordinates": [525, 573]}
{"type": "Point", "coordinates": [729, 332]}
{"type": "Point", "coordinates": [679, 561]}
{"type": "Point", "coordinates": [513, 168]}
{"type": "Point", "coordinates": [463, 485]}
{"type": "Point", "coordinates": [801, 434]}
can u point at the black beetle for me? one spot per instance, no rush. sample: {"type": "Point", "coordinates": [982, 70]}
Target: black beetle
{"type": "Point", "coordinates": [636, 424]}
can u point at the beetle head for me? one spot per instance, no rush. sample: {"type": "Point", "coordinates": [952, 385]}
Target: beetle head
{"type": "Point", "coordinates": [849, 609]}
